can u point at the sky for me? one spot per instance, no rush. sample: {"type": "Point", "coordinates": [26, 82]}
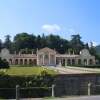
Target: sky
{"type": "Point", "coordinates": [60, 17]}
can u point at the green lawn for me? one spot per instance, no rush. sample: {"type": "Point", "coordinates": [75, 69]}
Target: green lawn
{"type": "Point", "coordinates": [26, 71]}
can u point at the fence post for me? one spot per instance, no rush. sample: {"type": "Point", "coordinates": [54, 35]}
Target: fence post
{"type": "Point", "coordinates": [17, 92]}
{"type": "Point", "coordinates": [89, 89]}
{"type": "Point", "coordinates": [53, 94]}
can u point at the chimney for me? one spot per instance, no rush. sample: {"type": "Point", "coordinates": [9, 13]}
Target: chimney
{"type": "Point", "coordinates": [69, 52]}
{"type": "Point", "coordinates": [15, 53]}
{"type": "Point", "coordinates": [32, 52]}
{"type": "Point", "coordinates": [37, 50]}
{"type": "Point", "coordinates": [73, 52]}
{"type": "Point", "coordinates": [19, 53]}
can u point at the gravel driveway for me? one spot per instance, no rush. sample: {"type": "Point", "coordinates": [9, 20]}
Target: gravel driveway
{"type": "Point", "coordinates": [68, 98]}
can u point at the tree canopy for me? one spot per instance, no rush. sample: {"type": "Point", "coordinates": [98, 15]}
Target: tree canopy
{"type": "Point", "coordinates": [30, 42]}
{"type": "Point", "coordinates": [26, 43]}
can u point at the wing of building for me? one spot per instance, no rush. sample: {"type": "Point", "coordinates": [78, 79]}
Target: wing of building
{"type": "Point", "coordinates": [48, 57]}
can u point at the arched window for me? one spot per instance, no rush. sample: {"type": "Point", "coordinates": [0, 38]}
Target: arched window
{"type": "Point", "coordinates": [21, 61]}
{"type": "Point", "coordinates": [30, 62]}
{"type": "Point", "coordinates": [16, 61]}
{"type": "Point", "coordinates": [63, 62]}
{"type": "Point", "coordinates": [79, 61]}
{"type": "Point", "coordinates": [69, 62]}
{"type": "Point", "coordinates": [25, 62]}
{"type": "Point", "coordinates": [40, 56]}
{"type": "Point", "coordinates": [34, 62]}
{"type": "Point", "coordinates": [57, 61]}
{"type": "Point", "coordinates": [73, 61]}
{"type": "Point", "coordinates": [46, 56]}
{"type": "Point", "coordinates": [10, 61]}
{"type": "Point", "coordinates": [90, 61]}
{"type": "Point", "coordinates": [85, 61]}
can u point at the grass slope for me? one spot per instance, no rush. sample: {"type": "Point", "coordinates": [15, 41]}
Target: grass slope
{"type": "Point", "coordinates": [26, 71]}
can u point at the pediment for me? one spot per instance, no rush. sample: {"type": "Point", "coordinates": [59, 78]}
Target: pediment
{"type": "Point", "coordinates": [46, 50]}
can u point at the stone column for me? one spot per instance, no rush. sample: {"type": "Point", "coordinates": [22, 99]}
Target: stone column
{"type": "Point", "coordinates": [75, 61]}
{"type": "Point", "coordinates": [28, 61]}
{"type": "Point", "coordinates": [70, 61]}
{"type": "Point", "coordinates": [17, 92]}
{"type": "Point", "coordinates": [23, 61]}
{"type": "Point", "coordinates": [37, 57]}
{"type": "Point", "coordinates": [53, 93]}
{"type": "Point", "coordinates": [18, 61]}
{"type": "Point", "coordinates": [32, 52]}
{"type": "Point", "coordinates": [19, 52]}
{"type": "Point", "coordinates": [65, 61]}
{"type": "Point", "coordinates": [43, 58]}
{"type": "Point", "coordinates": [89, 89]}
{"type": "Point", "coordinates": [12, 61]}
{"type": "Point", "coordinates": [55, 59]}
{"type": "Point", "coordinates": [49, 59]}
{"type": "Point", "coordinates": [73, 52]}
{"type": "Point", "coordinates": [87, 61]}
{"type": "Point", "coordinates": [94, 62]}
{"type": "Point", "coordinates": [60, 63]}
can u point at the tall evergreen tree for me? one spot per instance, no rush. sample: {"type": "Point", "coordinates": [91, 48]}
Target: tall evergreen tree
{"type": "Point", "coordinates": [0, 44]}
{"type": "Point", "coordinates": [38, 42]}
{"type": "Point", "coordinates": [7, 42]}
{"type": "Point", "coordinates": [76, 43]}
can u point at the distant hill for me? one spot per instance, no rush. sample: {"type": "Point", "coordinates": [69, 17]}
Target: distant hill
{"type": "Point", "coordinates": [98, 49]}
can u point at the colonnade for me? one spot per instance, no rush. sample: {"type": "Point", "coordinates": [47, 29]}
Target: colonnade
{"type": "Point", "coordinates": [23, 61]}
{"type": "Point", "coordinates": [46, 59]}
{"type": "Point", "coordinates": [74, 61]}
{"type": "Point", "coordinates": [51, 60]}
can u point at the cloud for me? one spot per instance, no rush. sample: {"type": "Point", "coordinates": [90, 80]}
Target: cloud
{"type": "Point", "coordinates": [51, 28]}
{"type": "Point", "coordinates": [93, 43]}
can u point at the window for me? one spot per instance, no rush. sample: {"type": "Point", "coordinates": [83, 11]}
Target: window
{"type": "Point", "coordinates": [73, 61]}
{"type": "Point", "coordinates": [79, 61]}
{"type": "Point", "coordinates": [69, 62]}
{"type": "Point", "coordinates": [90, 61]}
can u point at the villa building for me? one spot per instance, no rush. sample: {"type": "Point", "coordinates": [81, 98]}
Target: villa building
{"type": "Point", "coordinates": [48, 57]}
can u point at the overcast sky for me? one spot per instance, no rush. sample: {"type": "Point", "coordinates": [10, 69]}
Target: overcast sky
{"type": "Point", "coordinates": [62, 17]}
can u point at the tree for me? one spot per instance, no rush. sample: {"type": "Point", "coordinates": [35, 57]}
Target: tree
{"type": "Point", "coordinates": [7, 42]}
{"type": "Point", "coordinates": [4, 64]}
{"type": "Point", "coordinates": [0, 44]}
{"type": "Point", "coordinates": [24, 40]}
{"type": "Point", "coordinates": [31, 42]}
{"type": "Point", "coordinates": [43, 41]}
{"type": "Point", "coordinates": [76, 43]}
{"type": "Point", "coordinates": [55, 42]}
{"type": "Point", "coordinates": [86, 46]}
{"type": "Point", "coordinates": [38, 42]}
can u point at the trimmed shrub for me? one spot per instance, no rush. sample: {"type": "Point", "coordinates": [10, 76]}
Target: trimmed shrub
{"type": "Point", "coordinates": [4, 63]}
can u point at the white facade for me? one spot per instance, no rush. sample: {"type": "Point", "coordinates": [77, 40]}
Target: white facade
{"type": "Point", "coordinates": [49, 57]}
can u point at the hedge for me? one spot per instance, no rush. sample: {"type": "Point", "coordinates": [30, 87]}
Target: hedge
{"type": "Point", "coordinates": [10, 82]}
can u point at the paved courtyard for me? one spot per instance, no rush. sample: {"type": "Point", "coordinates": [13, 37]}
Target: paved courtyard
{"type": "Point", "coordinates": [78, 98]}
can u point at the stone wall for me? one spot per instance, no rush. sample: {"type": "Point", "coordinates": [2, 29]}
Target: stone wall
{"type": "Point", "coordinates": [76, 84]}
